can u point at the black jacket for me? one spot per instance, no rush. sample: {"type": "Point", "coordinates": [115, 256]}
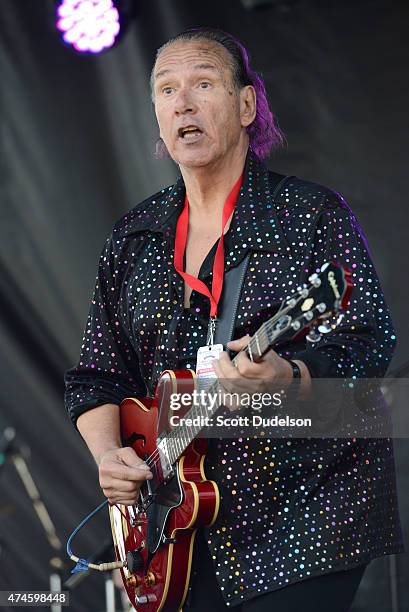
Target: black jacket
{"type": "Point", "coordinates": [290, 509]}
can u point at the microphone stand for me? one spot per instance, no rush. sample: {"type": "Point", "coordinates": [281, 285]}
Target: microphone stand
{"type": "Point", "coordinates": [18, 455]}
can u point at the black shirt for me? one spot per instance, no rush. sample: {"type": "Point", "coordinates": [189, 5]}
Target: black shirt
{"type": "Point", "coordinates": [290, 509]}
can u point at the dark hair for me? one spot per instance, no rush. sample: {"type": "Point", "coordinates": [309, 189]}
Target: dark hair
{"type": "Point", "coordinates": [264, 133]}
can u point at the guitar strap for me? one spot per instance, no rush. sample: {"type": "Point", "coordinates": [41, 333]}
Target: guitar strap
{"type": "Point", "coordinates": [233, 282]}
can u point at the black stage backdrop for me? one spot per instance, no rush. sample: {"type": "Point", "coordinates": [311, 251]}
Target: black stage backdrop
{"type": "Point", "coordinates": [78, 135]}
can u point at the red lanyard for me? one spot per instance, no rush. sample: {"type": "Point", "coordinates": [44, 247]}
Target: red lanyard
{"type": "Point", "coordinates": [218, 264]}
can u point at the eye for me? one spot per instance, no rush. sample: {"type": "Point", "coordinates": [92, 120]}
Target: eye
{"type": "Point", "coordinates": [167, 90]}
{"type": "Point", "coordinates": [204, 84]}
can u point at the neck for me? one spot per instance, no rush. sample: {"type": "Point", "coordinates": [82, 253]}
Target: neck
{"type": "Point", "coordinates": [207, 187]}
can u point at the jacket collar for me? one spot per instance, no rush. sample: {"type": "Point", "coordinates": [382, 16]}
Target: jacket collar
{"type": "Point", "coordinates": [255, 224]}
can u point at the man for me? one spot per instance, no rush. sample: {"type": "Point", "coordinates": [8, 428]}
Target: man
{"type": "Point", "coordinates": [306, 515]}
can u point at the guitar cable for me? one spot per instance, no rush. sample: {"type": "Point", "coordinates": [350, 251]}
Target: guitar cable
{"type": "Point", "coordinates": [82, 565]}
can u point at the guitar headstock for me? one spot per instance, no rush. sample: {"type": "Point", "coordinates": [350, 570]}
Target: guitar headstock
{"type": "Point", "coordinates": [326, 292]}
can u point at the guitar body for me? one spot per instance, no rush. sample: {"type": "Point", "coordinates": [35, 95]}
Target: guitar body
{"type": "Point", "coordinates": [157, 545]}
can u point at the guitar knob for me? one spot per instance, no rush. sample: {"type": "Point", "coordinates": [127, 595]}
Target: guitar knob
{"type": "Point", "coordinates": [134, 561]}
{"type": "Point", "coordinates": [150, 579]}
{"type": "Point", "coordinates": [134, 581]}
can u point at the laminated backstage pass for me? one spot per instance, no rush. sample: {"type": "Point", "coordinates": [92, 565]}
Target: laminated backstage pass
{"type": "Point", "coordinates": [205, 356]}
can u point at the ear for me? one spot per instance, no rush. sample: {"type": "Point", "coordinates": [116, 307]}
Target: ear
{"type": "Point", "coordinates": [247, 105]}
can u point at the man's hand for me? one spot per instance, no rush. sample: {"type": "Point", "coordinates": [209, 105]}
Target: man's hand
{"type": "Point", "coordinates": [121, 475]}
{"type": "Point", "coordinates": [272, 368]}
{"type": "Point", "coordinates": [249, 377]}
{"type": "Point", "coordinates": [121, 471]}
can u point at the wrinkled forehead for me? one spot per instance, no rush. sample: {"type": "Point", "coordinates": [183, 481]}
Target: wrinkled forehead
{"type": "Point", "coordinates": [190, 54]}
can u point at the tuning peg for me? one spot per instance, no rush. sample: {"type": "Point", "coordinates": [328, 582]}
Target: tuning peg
{"type": "Point", "coordinates": [321, 307]}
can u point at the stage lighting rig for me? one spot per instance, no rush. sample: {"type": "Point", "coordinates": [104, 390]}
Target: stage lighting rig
{"type": "Point", "coordinates": [92, 26]}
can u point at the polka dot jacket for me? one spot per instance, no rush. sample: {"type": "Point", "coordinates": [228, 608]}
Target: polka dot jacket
{"type": "Point", "coordinates": [290, 509]}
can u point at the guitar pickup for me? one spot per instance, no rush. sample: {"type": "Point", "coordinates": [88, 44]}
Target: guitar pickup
{"type": "Point", "coordinates": [164, 459]}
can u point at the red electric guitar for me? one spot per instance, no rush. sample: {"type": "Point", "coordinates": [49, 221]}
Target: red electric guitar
{"type": "Point", "coordinates": [154, 538]}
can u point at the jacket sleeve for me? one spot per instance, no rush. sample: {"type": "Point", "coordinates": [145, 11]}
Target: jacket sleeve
{"type": "Point", "coordinates": [363, 344]}
{"type": "Point", "coordinates": [108, 367]}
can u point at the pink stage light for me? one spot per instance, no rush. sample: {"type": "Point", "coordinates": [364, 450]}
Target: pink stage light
{"type": "Point", "coordinates": [88, 25]}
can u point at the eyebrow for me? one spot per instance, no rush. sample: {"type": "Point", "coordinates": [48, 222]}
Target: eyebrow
{"type": "Point", "coordinates": [195, 67]}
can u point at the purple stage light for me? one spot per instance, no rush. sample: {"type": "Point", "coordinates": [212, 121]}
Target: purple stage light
{"type": "Point", "coordinates": [88, 25]}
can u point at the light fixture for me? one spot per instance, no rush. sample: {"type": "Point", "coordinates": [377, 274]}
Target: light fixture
{"type": "Point", "coordinates": [90, 26]}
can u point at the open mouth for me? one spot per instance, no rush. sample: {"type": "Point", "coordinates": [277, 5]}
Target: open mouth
{"type": "Point", "coordinates": [190, 132]}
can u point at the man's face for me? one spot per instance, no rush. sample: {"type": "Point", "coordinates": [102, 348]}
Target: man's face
{"type": "Point", "coordinates": [196, 103]}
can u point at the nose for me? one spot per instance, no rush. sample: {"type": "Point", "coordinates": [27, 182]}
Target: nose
{"type": "Point", "coordinates": [184, 103]}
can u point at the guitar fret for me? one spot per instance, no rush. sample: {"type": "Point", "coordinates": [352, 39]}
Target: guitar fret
{"type": "Point", "coordinates": [268, 335]}
{"type": "Point", "coordinates": [175, 449]}
{"type": "Point", "coordinates": [258, 344]}
{"type": "Point", "coordinates": [262, 345]}
{"type": "Point", "coordinates": [250, 351]}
